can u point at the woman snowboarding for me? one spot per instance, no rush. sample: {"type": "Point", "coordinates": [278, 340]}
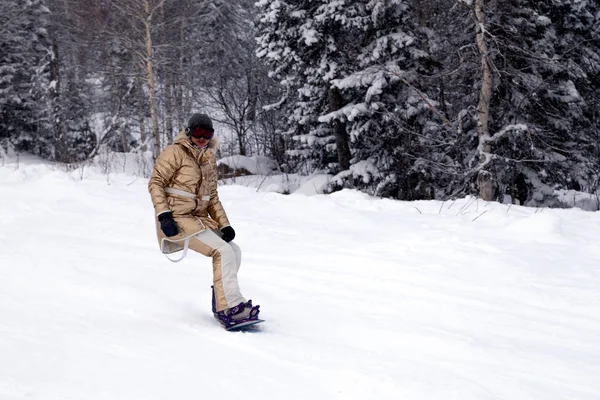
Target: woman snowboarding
{"type": "Point", "coordinates": [190, 215]}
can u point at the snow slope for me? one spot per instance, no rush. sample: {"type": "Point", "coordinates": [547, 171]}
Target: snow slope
{"type": "Point", "coordinates": [364, 298]}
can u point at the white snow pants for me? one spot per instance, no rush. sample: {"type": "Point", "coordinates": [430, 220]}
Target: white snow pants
{"type": "Point", "coordinates": [227, 258]}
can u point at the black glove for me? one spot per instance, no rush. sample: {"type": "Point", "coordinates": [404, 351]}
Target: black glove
{"type": "Point", "coordinates": [168, 224]}
{"type": "Point", "coordinates": [227, 234]}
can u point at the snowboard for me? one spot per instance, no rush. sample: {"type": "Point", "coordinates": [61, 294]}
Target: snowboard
{"type": "Point", "coordinates": [244, 326]}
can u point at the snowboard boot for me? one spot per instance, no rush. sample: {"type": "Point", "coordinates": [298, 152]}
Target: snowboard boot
{"type": "Point", "coordinates": [241, 313]}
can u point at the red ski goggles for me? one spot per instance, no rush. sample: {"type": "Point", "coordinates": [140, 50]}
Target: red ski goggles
{"type": "Point", "coordinates": [202, 133]}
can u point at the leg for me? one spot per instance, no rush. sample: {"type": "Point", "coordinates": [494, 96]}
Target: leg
{"type": "Point", "coordinates": [226, 261]}
{"type": "Point", "coordinates": [238, 255]}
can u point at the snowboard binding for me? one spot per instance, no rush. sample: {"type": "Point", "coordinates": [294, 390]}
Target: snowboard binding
{"type": "Point", "coordinates": [243, 313]}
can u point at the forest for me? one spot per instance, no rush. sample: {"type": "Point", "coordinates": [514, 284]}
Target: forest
{"type": "Point", "coordinates": [402, 99]}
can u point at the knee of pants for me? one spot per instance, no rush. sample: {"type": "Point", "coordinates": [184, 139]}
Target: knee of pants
{"type": "Point", "coordinates": [237, 251]}
{"type": "Point", "coordinates": [226, 252]}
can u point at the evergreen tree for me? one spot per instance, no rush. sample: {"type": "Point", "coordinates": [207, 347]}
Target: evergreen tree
{"type": "Point", "coordinates": [541, 123]}
{"type": "Point", "coordinates": [539, 113]}
{"type": "Point", "coordinates": [577, 30]}
{"type": "Point", "coordinates": [25, 56]}
{"type": "Point", "coordinates": [353, 66]}
{"type": "Point", "coordinates": [79, 140]}
{"type": "Point", "coordinates": [389, 116]}
{"type": "Point", "coordinates": [305, 44]}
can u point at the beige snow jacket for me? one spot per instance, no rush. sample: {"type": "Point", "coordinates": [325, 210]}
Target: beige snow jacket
{"type": "Point", "coordinates": [184, 181]}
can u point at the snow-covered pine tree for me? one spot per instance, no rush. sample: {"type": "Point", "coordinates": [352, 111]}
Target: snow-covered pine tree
{"type": "Point", "coordinates": [217, 33]}
{"type": "Point", "coordinates": [79, 140]}
{"type": "Point", "coordinates": [399, 142]}
{"type": "Point", "coordinates": [577, 27]}
{"type": "Point", "coordinates": [544, 84]}
{"type": "Point", "coordinates": [25, 84]}
{"type": "Point", "coordinates": [450, 136]}
{"type": "Point", "coordinates": [307, 44]}
{"type": "Point", "coordinates": [12, 78]}
{"type": "Point", "coordinates": [351, 70]}
{"type": "Point", "coordinates": [538, 141]}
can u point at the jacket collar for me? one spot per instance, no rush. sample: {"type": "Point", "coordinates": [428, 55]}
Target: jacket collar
{"type": "Point", "coordinates": [183, 140]}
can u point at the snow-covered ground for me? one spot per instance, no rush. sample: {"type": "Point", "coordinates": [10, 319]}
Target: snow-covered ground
{"type": "Point", "coordinates": [364, 298]}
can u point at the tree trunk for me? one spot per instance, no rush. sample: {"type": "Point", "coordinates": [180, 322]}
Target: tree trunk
{"type": "Point", "coordinates": [150, 80]}
{"type": "Point", "coordinates": [59, 139]}
{"type": "Point", "coordinates": [141, 114]}
{"type": "Point", "coordinates": [484, 178]}
{"type": "Point", "coordinates": [179, 87]}
{"type": "Point", "coordinates": [442, 97]}
{"type": "Point", "coordinates": [124, 142]}
{"type": "Point", "coordinates": [252, 93]}
{"type": "Point", "coordinates": [241, 145]}
{"type": "Point", "coordinates": [339, 130]}
{"type": "Point", "coordinates": [143, 134]}
{"type": "Point", "coordinates": [169, 107]}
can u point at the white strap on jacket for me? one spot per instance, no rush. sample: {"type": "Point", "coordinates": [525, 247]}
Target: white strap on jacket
{"type": "Point", "coordinates": [186, 244]}
{"type": "Point", "coordinates": [180, 192]}
{"type": "Point", "coordinates": [183, 193]}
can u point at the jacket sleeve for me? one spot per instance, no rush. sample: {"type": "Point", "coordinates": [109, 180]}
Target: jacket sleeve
{"type": "Point", "coordinates": [167, 163]}
{"type": "Point", "coordinates": [215, 208]}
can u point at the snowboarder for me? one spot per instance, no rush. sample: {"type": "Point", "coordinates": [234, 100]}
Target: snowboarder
{"type": "Point", "coordinates": [189, 214]}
